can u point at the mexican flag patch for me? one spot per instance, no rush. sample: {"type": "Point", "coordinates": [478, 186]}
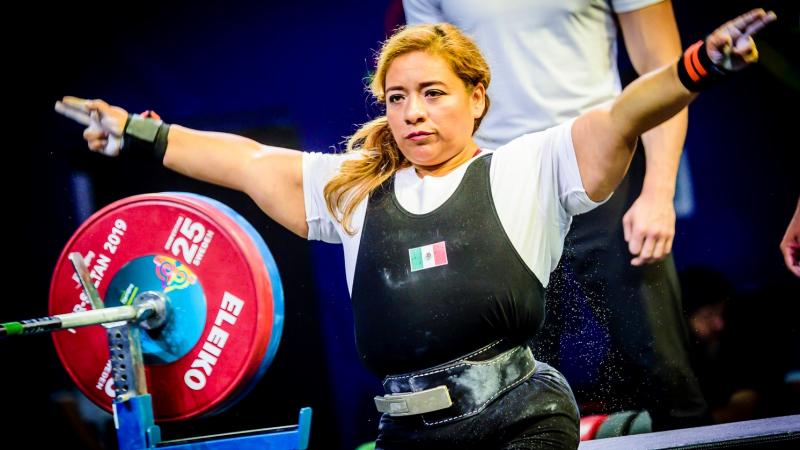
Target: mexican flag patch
{"type": "Point", "coordinates": [427, 256]}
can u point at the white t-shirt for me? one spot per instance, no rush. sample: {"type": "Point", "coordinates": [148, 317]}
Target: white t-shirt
{"type": "Point", "coordinates": [535, 184]}
{"type": "Point", "coordinates": [551, 60]}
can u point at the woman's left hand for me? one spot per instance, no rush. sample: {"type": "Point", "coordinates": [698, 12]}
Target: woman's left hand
{"type": "Point", "coordinates": [731, 45]}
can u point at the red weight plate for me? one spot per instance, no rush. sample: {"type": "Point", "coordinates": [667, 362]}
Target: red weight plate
{"type": "Point", "coordinates": [274, 287]}
{"type": "Point", "coordinates": [256, 251]}
{"type": "Point", "coordinates": [219, 296]}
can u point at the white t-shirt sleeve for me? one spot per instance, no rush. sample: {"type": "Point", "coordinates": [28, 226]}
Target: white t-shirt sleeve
{"type": "Point", "coordinates": [623, 6]}
{"type": "Point", "coordinates": [537, 188]}
{"type": "Point", "coordinates": [423, 11]}
{"type": "Point", "coordinates": [544, 165]}
{"type": "Point", "coordinates": [571, 194]}
{"type": "Point", "coordinates": [318, 170]}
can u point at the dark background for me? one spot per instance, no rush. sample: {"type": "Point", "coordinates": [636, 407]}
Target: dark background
{"type": "Point", "coordinates": [294, 74]}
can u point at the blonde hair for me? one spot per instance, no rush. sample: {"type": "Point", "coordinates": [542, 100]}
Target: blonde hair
{"type": "Point", "coordinates": [381, 157]}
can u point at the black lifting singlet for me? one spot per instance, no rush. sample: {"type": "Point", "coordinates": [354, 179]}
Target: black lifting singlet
{"type": "Point", "coordinates": [408, 319]}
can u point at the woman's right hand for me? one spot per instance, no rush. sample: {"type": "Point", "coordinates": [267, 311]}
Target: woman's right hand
{"type": "Point", "coordinates": [104, 123]}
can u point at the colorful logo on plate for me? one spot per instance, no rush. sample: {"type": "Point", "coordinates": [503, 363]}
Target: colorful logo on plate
{"type": "Point", "coordinates": [173, 273]}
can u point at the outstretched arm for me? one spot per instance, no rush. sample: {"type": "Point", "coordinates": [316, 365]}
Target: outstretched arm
{"type": "Point", "coordinates": [652, 40]}
{"type": "Point", "coordinates": [271, 176]}
{"type": "Point", "coordinates": [605, 138]}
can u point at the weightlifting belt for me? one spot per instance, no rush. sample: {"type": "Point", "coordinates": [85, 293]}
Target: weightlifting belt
{"type": "Point", "coordinates": [459, 388]}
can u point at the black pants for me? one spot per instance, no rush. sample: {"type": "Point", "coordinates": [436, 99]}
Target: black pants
{"type": "Point", "coordinates": [540, 413]}
{"type": "Point", "coordinates": [639, 306]}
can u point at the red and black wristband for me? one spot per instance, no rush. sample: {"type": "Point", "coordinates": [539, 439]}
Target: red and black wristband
{"type": "Point", "coordinates": [696, 70]}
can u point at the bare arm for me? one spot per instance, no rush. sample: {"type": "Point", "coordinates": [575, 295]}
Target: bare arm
{"type": "Point", "coordinates": [271, 176]}
{"type": "Point", "coordinates": [605, 138]}
{"type": "Point", "coordinates": [652, 40]}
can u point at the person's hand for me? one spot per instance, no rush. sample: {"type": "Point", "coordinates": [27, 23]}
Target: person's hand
{"type": "Point", "coordinates": [104, 123]}
{"type": "Point", "coordinates": [731, 45]}
{"type": "Point", "coordinates": [790, 245]}
{"type": "Point", "coordinates": [649, 227]}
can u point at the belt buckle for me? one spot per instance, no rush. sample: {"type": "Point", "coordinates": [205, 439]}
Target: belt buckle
{"type": "Point", "coordinates": [412, 403]}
